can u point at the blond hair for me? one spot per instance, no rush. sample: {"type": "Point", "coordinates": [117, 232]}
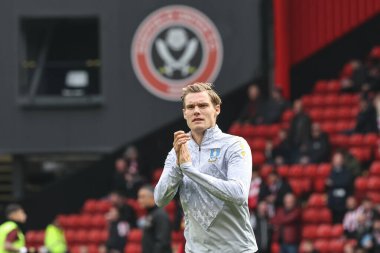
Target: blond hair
{"type": "Point", "coordinates": [199, 87]}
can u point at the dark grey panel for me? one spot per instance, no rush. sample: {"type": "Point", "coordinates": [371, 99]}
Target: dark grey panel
{"type": "Point", "coordinates": [129, 110]}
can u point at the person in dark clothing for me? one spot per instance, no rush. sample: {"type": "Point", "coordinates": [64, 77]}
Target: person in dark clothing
{"type": "Point", "coordinates": [299, 131]}
{"type": "Point", "coordinates": [253, 112]}
{"type": "Point", "coordinates": [371, 241]}
{"type": "Point", "coordinates": [274, 107]}
{"type": "Point", "coordinates": [287, 225]}
{"type": "Point", "coordinates": [273, 191]}
{"type": "Point", "coordinates": [282, 147]}
{"type": "Point", "coordinates": [339, 185]}
{"type": "Point", "coordinates": [157, 227]}
{"type": "Point", "coordinates": [121, 218]}
{"type": "Point", "coordinates": [262, 227]}
{"type": "Point", "coordinates": [366, 120]}
{"type": "Point", "coordinates": [318, 149]}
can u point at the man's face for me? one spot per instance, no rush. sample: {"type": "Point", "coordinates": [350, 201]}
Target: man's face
{"type": "Point", "coordinates": [199, 112]}
{"type": "Point", "coordinates": [19, 216]}
{"type": "Point", "coordinates": [145, 198]}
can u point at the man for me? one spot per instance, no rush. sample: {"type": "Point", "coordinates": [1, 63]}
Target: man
{"type": "Point", "coordinates": [339, 185]}
{"type": "Point", "coordinates": [157, 228]}
{"type": "Point", "coordinates": [55, 241]}
{"type": "Point", "coordinates": [12, 238]}
{"type": "Point", "coordinates": [286, 222]}
{"type": "Point", "coordinates": [261, 226]}
{"type": "Point", "coordinates": [121, 218]}
{"type": "Point", "coordinates": [212, 171]}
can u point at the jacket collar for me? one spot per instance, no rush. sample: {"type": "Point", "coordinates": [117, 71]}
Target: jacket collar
{"type": "Point", "coordinates": [209, 135]}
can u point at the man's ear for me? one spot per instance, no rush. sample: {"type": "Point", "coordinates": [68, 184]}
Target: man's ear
{"type": "Point", "coordinates": [183, 111]}
{"type": "Point", "coordinates": [217, 108]}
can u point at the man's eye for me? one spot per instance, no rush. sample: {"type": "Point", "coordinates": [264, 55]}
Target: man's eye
{"type": "Point", "coordinates": [203, 106]}
{"type": "Point", "coordinates": [190, 107]}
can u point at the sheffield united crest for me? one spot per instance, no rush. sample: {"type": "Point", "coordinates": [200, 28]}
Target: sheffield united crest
{"type": "Point", "coordinates": [175, 46]}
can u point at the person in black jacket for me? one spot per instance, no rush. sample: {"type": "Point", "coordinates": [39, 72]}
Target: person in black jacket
{"type": "Point", "coordinates": [262, 227]}
{"type": "Point", "coordinates": [339, 185]}
{"type": "Point", "coordinates": [121, 218]}
{"type": "Point", "coordinates": [157, 227]}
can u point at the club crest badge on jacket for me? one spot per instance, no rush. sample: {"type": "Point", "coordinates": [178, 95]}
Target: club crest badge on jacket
{"type": "Point", "coordinates": [214, 154]}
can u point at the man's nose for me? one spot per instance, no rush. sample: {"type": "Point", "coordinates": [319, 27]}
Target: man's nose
{"type": "Point", "coordinates": [196, 110]}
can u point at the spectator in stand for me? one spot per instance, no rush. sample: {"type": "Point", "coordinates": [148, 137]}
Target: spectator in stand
{"type": "Point", "coordinates": [127, 177]}
{"type": "Point", "coordinates": [354, 76]}
{"type": "Point", "coordinates": [273, 191]}
{"type": "Point", "coordinates": [318, 149]}
{"type": "Point", "coordinates": [367, 210]}
{"type": "Point", "coordinates": [253, 195]}
{"type": "Point", "coordinates": [132, 176]}
{"type": "Point", "coordinates": [299, 131]}
{"type": "Point", "coordinates": [371, 241]}
{"type": "Point", "coordinates": [262, 227]}
{"type": "Point", "coordinates": [350, 220]}
{"type": "Point", "coordinates": [280, 151]}
{"type": "Point", "coordinates": [366, 120]}
{"type": "Point", "coordinates": [275, 106]}
{"type": "Point", "coordinates": [253, 112]}
{"type": "Point", "coordinates": [351, 163]}
{"type": "Point", "coordinates": [121, 218]}
{"type": "Point", "coordinates": [339, 186]}
{"type": "Point", "coordinates": [287, 225]}
{"type": "Point", "coordinates": [157, 227]}
{"type": "Point", "coordinates": [118, 180]}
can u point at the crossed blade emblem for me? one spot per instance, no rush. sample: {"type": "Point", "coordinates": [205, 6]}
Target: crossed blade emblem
{"type": "Point", "coordinates": [177, 40]}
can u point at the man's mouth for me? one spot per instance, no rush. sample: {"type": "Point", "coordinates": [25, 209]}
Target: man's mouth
{"type": "Point", "coordinates": [197, 120]}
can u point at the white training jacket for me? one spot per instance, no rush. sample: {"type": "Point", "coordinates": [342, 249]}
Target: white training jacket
{"type": "Point", "coordinates": [213, 190]}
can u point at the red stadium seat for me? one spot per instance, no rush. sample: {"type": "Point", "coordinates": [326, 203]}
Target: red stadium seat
{"type": "Point", "coordinates": [331, 100]}
{"type": "Point", "coordinates": [133, 248]}
{"type": "Point", "coordinates": [275, 247]}
{"type": "Point", "coordinates": [325, 216]}
{"type": "Point", "coordinates": [370, 140]}
{"type": "Point", "coordinates": [317, 200]}
{"type": "Point", "coordinates": [362, 154]}
{"type": "Point", "coordinates": [316, 114]}
{"type": "Point", "coordinates": [283, 170]}
{"type": "Point", "coordinates": [361, 184]}
{"type": "Point", "coordinates": [90, 206]}
{"type": "Point", "coordinates": [258, 158]}
{"type": "Point", "coordinates": [344, 113]}
{"type": "Point", "coordinates": [235, 129]}
{"type": "Point", "coordinates": [273, 131]}
{"type": "Point", "coordinates": [321, 86]}
{"type": "Point", "coordinates": [310, 216]}
{"type": "Point", "coordinates": [95, 236]}
{"type": "Point", "coordinates": [333, 86]}
{"type": "Point", "coordinates": [339, 140]}
{"type": "Point", "coordinates": [317, 100]}
{"type": "Point", "coordinates": [324, 231]}
{"type": "Point", "coordinates": [310, 171]}
{"type": "Point", "coordinates": [337, 231]}
{"type": "Point", "coordinates": [324, 170]}
{"type": "Point", "coordinates": [356, 140]}
{"type": "Point", "coordinates": [322, 245]}
{"type": "Point", "coordinates": [156, 175]}
{"type": "Point", "coordinates": [287, 115]}
{"type": "Point", "coordinates": [257, 144]}
{"type": "Point", "coordinates": [330, 114]}
{"type": "Point", "coordinates": [296, 171]}
{"type": "Point", "coordinates": [247, 131]}
{"type": "Point", "coordinates": [336, 246]}
{"type": "Point", "coordinates": [375, 168]}
{"type": "Point", "coordinates": [309, 232]}
{"type": "Point", "coordinates": [373, 183]}
{"type": "Point", "coordinates": [85, 221]}
{"type": "Point", "coordinates": [320, 185]}
{"type": "Point", "coordinates": [328, 127]}
{"type": "Point", "coordinates": [135, 236]}
{"type": "Point", "coordinates": [297, 187]}
{"type": "Point", "coordinates": [265, 170]}
{"type": "Point", "coordinates": [81, 236]}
